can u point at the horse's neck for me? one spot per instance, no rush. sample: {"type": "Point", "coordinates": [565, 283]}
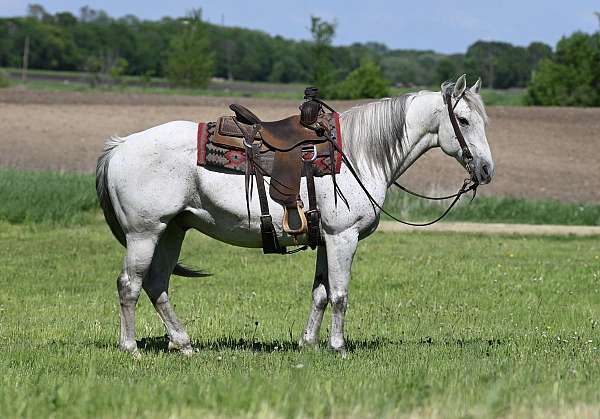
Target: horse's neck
{"type": "Point", "coordinates": [420, 134]}
{"type": "Point", "coordinates": [422, 125]}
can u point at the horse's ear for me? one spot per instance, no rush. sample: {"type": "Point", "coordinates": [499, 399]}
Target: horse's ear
{"type": "Point", "coordinates": [460, 86]}
{"type": "Point", "coordinates": [476, 87]}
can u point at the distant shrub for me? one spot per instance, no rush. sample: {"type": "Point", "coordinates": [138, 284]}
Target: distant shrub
{"type": "Point", "coordinates": [367, 81]}
{"type": "Point", "coordinates": [3, 80]}
{"type": "Point", "coordinates": [118, 69]}
{"type": "Point", "coordinates": [571, 77]}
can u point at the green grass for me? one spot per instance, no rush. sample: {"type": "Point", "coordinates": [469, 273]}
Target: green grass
{"type": "Point", "coordinates": [495, 210]}
{"type": "Point", "coordinates": [65, 81]}
{"type": "Point", "coordinates": [292, 91]}
{"type": "Point", "coordinates": [54, 86]}
{"type": "Point", "coordinates": [47, 197]}
{"type": "Point", "coordinates": [70, 199]}
{"type": "Point", "coordinates": [507, 97]}
{"type": "Point", "coordinates": [438, 325]}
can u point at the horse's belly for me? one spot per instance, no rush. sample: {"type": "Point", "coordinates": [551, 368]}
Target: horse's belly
{"type": "Point", "coordinates": [220, 211]}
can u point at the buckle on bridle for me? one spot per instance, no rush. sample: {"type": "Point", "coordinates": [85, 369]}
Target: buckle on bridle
{"type": "Point", "coordinates": [310, 149]}
{"type": "Point", "coordinates": [255, 129]}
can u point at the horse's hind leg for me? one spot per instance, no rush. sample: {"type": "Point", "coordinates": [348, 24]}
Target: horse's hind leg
{"type": "Point", "coordinates": [320, 293]}
{"type": "Point", "coordinates": [156, 285]}
{"type": "Point", "coordinates": [140, 249]}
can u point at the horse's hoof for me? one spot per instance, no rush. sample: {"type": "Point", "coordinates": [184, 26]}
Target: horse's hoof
{"type": "Point", "coordinates": [187, 351]}
{"type": "Point", "coordinates": [308, 344]}
{"type": "Point", "coordinates": [130, 347]}
{"type": "Point", "coordinates": [341, 352]}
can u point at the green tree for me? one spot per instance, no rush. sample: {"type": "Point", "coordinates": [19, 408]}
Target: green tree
{"type": "Point", "coordinates": [446, 70]}
{"type": "Point", "coordinates": [323, 70]}
{"type": "Point", "coordinates": [537, 51]}
{"type": "Point", "coordinates": [572, 76]}
{"type": "Point", "coordinates": [366, 81]}
{"type": "Point", "coordinates": [190, 60]}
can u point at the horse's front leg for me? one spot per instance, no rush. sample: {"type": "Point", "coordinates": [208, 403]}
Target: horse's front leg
{"type": "Point", "coordinates": [320, 291]}
{"type": "Point", "coordinates": [340, 252]}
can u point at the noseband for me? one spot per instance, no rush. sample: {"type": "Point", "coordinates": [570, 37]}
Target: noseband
{"type": "Point", "coordinates": [466, 152]}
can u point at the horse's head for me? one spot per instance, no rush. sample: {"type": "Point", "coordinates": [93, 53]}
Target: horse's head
{"type": "Point", "coordinates": [471, 121]}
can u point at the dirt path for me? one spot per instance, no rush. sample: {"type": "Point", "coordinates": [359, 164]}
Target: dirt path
{"type": "Point", "coordinates": [496, 228]}
{"type": "Point", "coordinates": [540, 153]}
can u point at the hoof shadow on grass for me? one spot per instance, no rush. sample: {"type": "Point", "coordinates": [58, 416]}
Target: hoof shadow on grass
{"type": "Point", "coordinates": [155, 344]}
{"type": "Point", "coordinates": [243, 344]}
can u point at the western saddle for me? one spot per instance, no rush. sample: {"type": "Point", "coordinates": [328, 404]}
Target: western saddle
{"type": "Point", "coordinates": [296, 142]}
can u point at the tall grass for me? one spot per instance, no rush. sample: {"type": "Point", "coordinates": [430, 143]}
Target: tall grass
{"type": "Point", "coordinates": [495, 210]}
{"type": "Point", "coordinates": [70, 199]}
{"type": "Point", "coordinates": [48, 197]}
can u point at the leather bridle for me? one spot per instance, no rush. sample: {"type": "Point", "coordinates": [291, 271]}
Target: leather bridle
{"type": "Point", "coordinates": [467, 156]}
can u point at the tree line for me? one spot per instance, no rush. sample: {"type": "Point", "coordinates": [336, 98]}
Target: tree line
{"type": "Point", "coordinates": [94, 41]}
{"type": "Point", "coordinates": [188, 50]}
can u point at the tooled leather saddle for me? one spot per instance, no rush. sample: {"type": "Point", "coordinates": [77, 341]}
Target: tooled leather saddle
{"type": "Point", "coordinates": [286, 150]}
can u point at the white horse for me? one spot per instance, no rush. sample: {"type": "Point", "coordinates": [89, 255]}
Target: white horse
{"type": "Point", "coordinates": [152, 192]}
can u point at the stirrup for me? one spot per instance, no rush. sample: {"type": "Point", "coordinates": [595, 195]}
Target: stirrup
{"type": "Point", "coordinates": [303, 226]}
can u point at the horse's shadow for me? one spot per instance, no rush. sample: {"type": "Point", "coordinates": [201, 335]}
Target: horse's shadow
{"type": "Point", "coordinates": [160, 344]}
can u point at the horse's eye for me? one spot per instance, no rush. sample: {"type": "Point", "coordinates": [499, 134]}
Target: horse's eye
{"type": "Point", "coordinates": [463, 121]}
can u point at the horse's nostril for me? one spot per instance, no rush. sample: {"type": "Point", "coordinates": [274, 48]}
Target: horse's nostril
{"type": "Point", "coordinates": [485, 170]}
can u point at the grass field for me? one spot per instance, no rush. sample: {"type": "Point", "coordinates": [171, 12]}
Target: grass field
{"type": "Point", "coordinates": [438, 325]}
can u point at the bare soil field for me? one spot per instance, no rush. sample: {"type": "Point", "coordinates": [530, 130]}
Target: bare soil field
{"type": "Point", "coordinates": [539, 152]}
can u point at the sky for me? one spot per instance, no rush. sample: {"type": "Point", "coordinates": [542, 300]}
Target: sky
{"type": "Point", "coordinates": [441, 25]}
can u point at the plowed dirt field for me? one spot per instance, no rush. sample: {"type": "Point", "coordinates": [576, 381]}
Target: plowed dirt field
{"type": "Point", "coordinates": [539, 152]}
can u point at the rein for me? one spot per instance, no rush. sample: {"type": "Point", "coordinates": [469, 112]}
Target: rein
{"type": "Point", "coordinates": [470, 184]}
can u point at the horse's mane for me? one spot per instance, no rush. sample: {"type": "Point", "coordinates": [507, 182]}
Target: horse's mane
{"type": "Point", "coordinates": [378, 129]}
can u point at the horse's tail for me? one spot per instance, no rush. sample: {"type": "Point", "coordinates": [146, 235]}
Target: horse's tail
{"type": "Point", "coordinates": [107, 206]}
